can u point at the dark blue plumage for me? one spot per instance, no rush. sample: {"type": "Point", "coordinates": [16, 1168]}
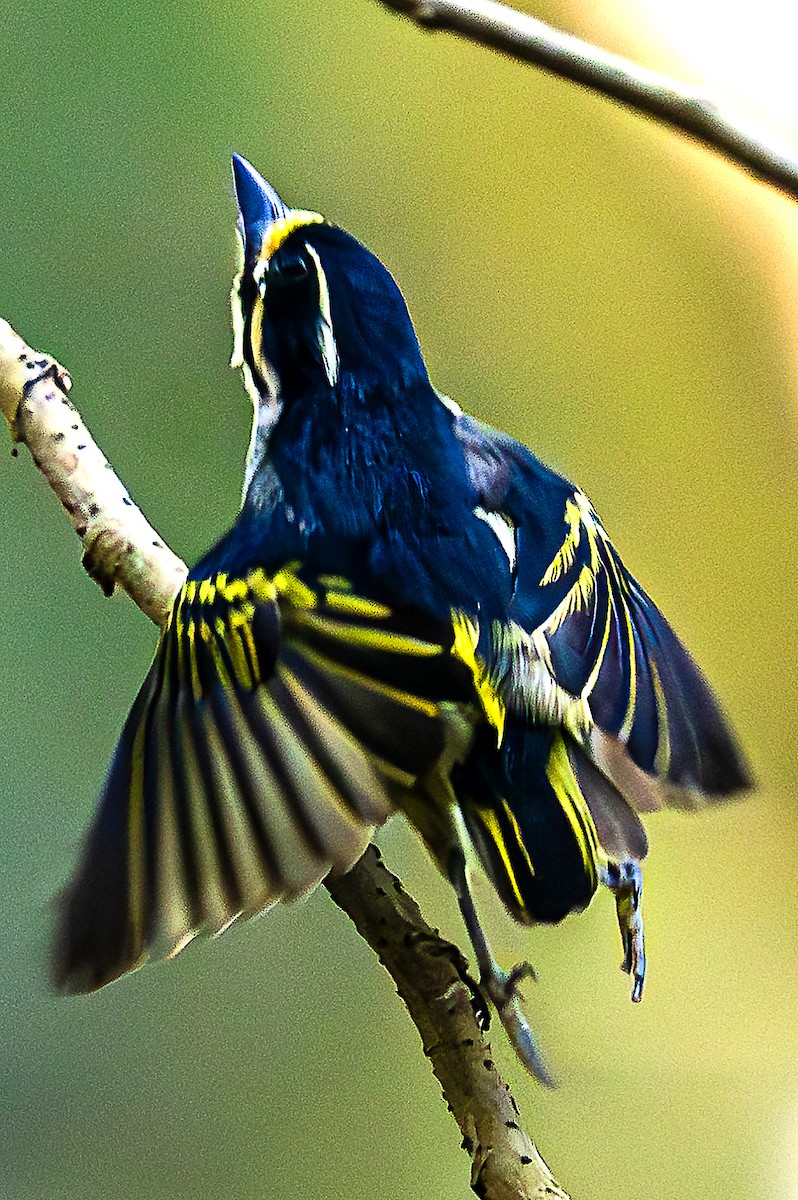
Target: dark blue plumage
{"type": "Point", "coordinates": [410, 611]}
{"type": "Point", "coordinates": [392, 510]}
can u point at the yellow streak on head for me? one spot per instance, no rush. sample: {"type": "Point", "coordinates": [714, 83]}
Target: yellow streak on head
{"type": "Point", "coordinates": [280, 229]}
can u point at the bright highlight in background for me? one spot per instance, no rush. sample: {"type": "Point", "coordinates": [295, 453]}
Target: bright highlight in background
{"type": "Point", "coordinates": [743, 56]}
{"type": "Point", "coordinates": [744, 52]}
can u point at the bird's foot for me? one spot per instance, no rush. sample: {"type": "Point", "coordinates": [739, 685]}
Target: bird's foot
{"type": "Point", "coordinates": [501, 986]}
{"type": "Point", "coordinates": [502, 989]}
{"type": "Point", "coordinates": [625, 881]}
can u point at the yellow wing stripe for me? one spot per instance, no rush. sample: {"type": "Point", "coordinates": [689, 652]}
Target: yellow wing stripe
{"type": "Point", "coordinates": [210, 640]}
{"type": "Point", "coordinates": [622, 592]}
{"type": "Point", "coordinates": [374, 639]}
{"type": "Point", "coordinates": [582, 521]}
{"type": "Point", "coordinates": [366, 681]}
{"type": "Point", "coordinates": [357, 606]}
{"type": "Point", "coordinates": [510, 815]}
{"type": "Point", "coordinates": [234, 591]}
{"type": "Point", "coordinates": [562, 779]}
{"type": "Point", "coordinates": [564, 557]}
{"type": "Point", "coordinates": [491, 824]}
{"type": "Point", "coordinates": [594, 674]}
{"type": "Point", "coordinates": [231, 631]}
{"type": "Point", "coordinates": [466, 638]}
{"type": "Point", "coordinates": [405, 779]}
{"type": "Point", "coordinates": [287, 585]}
{"type": "Point", "coordinates": [191, 635]}
{"type": "Point", "coordinates": [207, 591]}
{"type": "Point", "coordinates": [576, 598]}
{"type": "Point", "coordinates": [231, 634]}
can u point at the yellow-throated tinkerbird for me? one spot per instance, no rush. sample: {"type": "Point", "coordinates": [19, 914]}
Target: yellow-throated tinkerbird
{"type": "Point", "coordinates": [410, 611]}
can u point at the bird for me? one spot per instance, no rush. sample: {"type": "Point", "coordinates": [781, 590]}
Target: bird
{"type": "Point", "coordinates": [412, 613]}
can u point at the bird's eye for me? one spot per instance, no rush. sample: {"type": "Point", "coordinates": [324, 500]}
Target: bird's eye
{"type": "Point", "coordinates": [286, 271]}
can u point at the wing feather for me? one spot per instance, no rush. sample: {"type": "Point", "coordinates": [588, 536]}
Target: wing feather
{"type": "Point", "coordinates": [588, 648]}
{"type": "Point", "coordinates": [639, 685]}
{"type": "Point", "coordinates": [220, 890]}
{"type": "Point", "coordinates": [620, 831]}
{"type": "Point", "coordinates": [265, 745]}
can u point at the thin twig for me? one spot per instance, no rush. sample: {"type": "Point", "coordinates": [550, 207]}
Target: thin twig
{"type": "Point", "coordinates": [431, 975]}
{"type": "Point", "coordinates": [691, 110]}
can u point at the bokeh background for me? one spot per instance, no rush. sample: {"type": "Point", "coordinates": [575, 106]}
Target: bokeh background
{"type": "Point", "coordinates": [613, 295]}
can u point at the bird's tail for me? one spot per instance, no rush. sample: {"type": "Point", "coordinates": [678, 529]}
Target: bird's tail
{"type": "Point", "coordinates": [530, 823]}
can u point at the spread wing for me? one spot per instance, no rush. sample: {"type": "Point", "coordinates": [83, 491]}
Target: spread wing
{"type": "Point", "coordinates": [588, 649]}
{"type": "Point", "coordinates": [280, 717]}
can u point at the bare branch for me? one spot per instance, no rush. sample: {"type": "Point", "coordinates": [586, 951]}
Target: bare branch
{"type": "Point", "coordinates": [431, 975]}
{"type": "Point", "coordinates": [688, 109]}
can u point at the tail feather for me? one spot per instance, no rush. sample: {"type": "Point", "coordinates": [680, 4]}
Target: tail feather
{"type": "Point", "coordinates": [620, 831]}
{"type": "Point", "coordinates": [529, 823]}
{"type": "Point", "coordinates": [700, 752]}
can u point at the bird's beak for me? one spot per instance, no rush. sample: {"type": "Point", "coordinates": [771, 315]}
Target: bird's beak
{"type": "Point", "coordinates": [259, 206]}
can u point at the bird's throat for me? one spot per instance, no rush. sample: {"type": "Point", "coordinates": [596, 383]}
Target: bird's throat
{"type": "Point", "coordinates": [362, 463]}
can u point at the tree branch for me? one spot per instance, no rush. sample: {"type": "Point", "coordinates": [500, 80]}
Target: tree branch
{"type": "Point", "coordinates": [431, 976]}
{"type": "Point", "coordinates": [691, 110]}
{"type": "Point", "coordinates": [121, 548]}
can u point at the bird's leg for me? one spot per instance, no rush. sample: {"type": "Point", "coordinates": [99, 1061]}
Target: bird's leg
{"type": "Point", "coordinates": [500, 986]}
{"type": "Point", "coordinates": [625, 881]}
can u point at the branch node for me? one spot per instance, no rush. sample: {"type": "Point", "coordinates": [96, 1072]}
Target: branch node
{"type": "Point", "coordinates": [426, 15]}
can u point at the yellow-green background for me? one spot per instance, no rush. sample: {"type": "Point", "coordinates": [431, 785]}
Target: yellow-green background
{"type": "Point", "coordinates": [585, 280]}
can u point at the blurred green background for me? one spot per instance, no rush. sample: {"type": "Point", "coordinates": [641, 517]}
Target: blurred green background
{"type": "Point", "coordinates": [606, 292]}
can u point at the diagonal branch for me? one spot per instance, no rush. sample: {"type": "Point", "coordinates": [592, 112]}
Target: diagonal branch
{"type": "Point", "coordinates": [691, 110]}
{"type": "Point", "coordinates": [121, 548]}
{"type": "Point", "coordinates": [431, 976]}
{"type": "Point", "coordinates": [120, 545]}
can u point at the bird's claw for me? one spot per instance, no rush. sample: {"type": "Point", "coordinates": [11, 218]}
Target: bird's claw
{"type": "Point", "coordinates": [501, 986]}
{"type": "Point", "coordinates": [480, 1000]}
{"type": "Point", "coordinates": [625, 881]}
{"type": "Point", "coordinates": [497, 986]}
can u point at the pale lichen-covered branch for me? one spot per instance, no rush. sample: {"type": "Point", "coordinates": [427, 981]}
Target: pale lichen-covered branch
{"type": "Point", "coordinates": [122, 549]}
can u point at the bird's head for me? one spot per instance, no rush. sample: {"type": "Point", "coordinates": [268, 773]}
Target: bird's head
{"type": "Point", "coordinates": [313, 309]}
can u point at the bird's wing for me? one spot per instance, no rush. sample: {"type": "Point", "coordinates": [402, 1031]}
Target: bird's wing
{"type": "Point", "coordinates": [280, 716]}
{"type": "Point", "coordinates": [587, 648]}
